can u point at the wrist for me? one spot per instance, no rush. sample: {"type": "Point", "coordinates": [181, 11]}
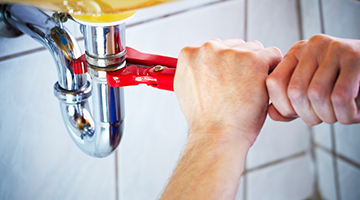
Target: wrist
{"type": "Point", "coordinates": [219, 135]}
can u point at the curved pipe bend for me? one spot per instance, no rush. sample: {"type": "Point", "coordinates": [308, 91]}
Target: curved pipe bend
{"type": "Point", "coordinates": [97, 136]}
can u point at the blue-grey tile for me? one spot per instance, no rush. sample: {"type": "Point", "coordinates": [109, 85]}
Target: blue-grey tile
{"type": "Point", "coordinates": [167, 9]}
{"type": "Point", "coordinates": [169, 35]}
{"type": "Point", "coordinates": [322, 135]}
{"type": "Point", "coordinates": [291, 179]}
{"type": "Point", "coordinates": [326, 174]}
{"type": "Point", "coordinates": [341, 18]}
{"type": "Point", "coordinates": [278, 140]}
{"type": "Point", "coordinates": [310, 18]}
{"type": "Point", "coordinates": [273, 23]}
{"type": "Point", "coordinates": [349, 180]}
{"type": "Point", "coordinates": [347, 139]}
{"type": "Point", "coordinates": [38, 159]}
{"type": "Point", "coordinates": [241, 190]}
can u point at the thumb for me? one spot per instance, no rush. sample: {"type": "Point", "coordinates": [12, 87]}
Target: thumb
{"type": "Point", "coordinates": [276, 116]}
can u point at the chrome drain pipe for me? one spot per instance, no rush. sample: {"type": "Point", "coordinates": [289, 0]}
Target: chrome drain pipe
{"type": "Point", "coordinates": [97, 135]}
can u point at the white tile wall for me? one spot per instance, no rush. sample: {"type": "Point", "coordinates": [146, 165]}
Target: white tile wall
{"type": "Point", "coordinates": [278, 140]}
{"type": "Point", "coordinates": [240, 191]}
{"type": "Point", "coordinates": [349, 180]}
{"type": "Point", "coordinates": [287, 180]}
{"type": "Point", "coordinates": [347, 139]}
{"type": "Point", "coordinates": [310, 17]}
{"type": "Point", "coordinates": [169, 35]}
{"type": "Point", "coordinates": [322, 135]}
{"type": "Point", "coordinates": [274, 23]}
{"type": "Point", "coordinates": [155, 129]}
{"type": "Point", "coordinates": [326, 174]}
{"type": "Point", "coordinates": [341, 18]}
{"type": "Point", "coordinates": [38, 160]}
{"type": "Point", "coordinates": [166, 9]}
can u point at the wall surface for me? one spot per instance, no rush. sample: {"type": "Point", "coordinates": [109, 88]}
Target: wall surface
{"type": "Point", "coordinates": [336, 146]}
{"type": "Point", "coordinates": [38, 160]}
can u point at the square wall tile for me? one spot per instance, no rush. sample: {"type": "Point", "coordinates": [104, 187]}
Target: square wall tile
{"type": "Point", "coordinates": [273, 23]}
{"type": "Point", "coordinates": [325, 174]}
{"type": "Point", "coordinates": [169, 35]}
{"type": "Point", "coordinates": [349, 180]}
{"type": "Point", "coordinates": [38, 159]}
{"type": "Point", "coordinates": [291, 179]}
{"type": "Point", "coordinates": [154, 137]}
{"type": "Point", "coordinates": [240, 191]}
{"type": "Point", "coordinates": [341, 18]}
{"type": "Point", "coordinates": [347, 139]}
{"type": "Point", "coordinates": [322, 135]}
{"type": "Point", "coordinates": [167, 9]}
{"type": "Point", "coordinates": [278, 140]}
{"type": "Point", "coordinates": [310, 18]}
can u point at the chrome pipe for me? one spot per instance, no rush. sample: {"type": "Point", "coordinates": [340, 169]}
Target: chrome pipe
{"type": "Point", "coordinates": [105, 45]}
{"type": "Point", "coordinates": [97, 135]}
{"type": "Point", "coordinates": [61, 44]}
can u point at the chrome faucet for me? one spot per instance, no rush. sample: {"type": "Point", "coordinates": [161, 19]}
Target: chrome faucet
{"type": "Point", "coordinates": [97, 134]}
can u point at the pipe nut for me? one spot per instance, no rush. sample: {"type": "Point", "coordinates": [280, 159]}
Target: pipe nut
{"type": "Point", "coordinates": [72, 96]}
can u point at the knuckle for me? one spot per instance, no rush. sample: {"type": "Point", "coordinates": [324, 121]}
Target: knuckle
{"type": "Point", "coordinates": [187, 52]}
{"type": "Point", "coordinates": [351, 55]}
{"type": "Point", "coordinates": [316, 93]}
{"type": "Point", "coordinates": [250, 55]}
{"type": "Point", "coordinates": [277, 51]}
{"type": "Point", "coordinates": [345, 119]}
{"type": "Point", "coordinates": [335, 46]}
{"type": "Point", "coordinates": [339, 96]}
{"type": "Point", "coordinates": [274, 82]}
{"type": "Point", "coordinates": [318, 38]}
{"type": "Point", "coordinates": [295, 93]}
{"type": "Point", "coordinates": [239, 40]}
{"type": "Point", "coordinates": [312, 122]}
{"type": "Point", "coordinates": [258, 43]}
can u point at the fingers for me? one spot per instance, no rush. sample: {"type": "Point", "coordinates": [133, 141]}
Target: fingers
{"type": "Point", "coordinates": [276, 116]}
{"type": "Point", "coordinates": [272, 56]}
{"type": "Point", "coordinates": [346, 92]}
{"type": "Point", "coordinates": [298, 87]}
{"type": "Point", "coordinates": [321, 87]}
{"type": "Point", "coordinates": [233, 43]}
{"type": "Point", "coordinates": [277, 84]}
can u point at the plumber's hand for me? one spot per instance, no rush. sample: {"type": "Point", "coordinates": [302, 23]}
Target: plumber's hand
{"type": "Point", "coordinates": [318, 80]}
{"type": "Point", "coordinates": [220, 85]}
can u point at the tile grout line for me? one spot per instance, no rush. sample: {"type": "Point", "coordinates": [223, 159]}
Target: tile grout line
{"type": "Point", "coordinates": [314, 160]}
{"type": "Point", "coordinates": [339, 156]}
{"type": "Point", "coordinates": [175, 13]}
{"type": "Point", "coordinates": [321, 17]}
{"type": "Point", "coordinates": [299, 16]}
{"type": "Point", "coordinates": [311, 130]}
{"type": "Point", "coordinates": [24, 53]}
{"type": "Point", "coordinates": [303, 153]}
{"type": "Point", "coordinates": [334, 157]}
{"type": "Point", "coordinates": [116, 177]}
{"type": "Point", "coordinates": [245, 39]}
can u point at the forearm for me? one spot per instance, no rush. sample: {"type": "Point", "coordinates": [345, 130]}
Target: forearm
{"type": "Point", "coordinates": [210, 167]}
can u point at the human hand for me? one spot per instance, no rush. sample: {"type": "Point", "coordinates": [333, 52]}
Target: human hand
{"type": "Point", "coordinates": [220, 85]}
{"type": "Point", "coordinates": [318, 81]}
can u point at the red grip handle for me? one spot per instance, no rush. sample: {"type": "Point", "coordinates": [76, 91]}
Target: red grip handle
{"type": "Point", "coordinates": [159, 74]}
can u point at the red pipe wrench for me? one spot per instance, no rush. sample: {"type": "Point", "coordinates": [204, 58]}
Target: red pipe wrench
{"type": "Point", "coordinates": [141, 68]}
